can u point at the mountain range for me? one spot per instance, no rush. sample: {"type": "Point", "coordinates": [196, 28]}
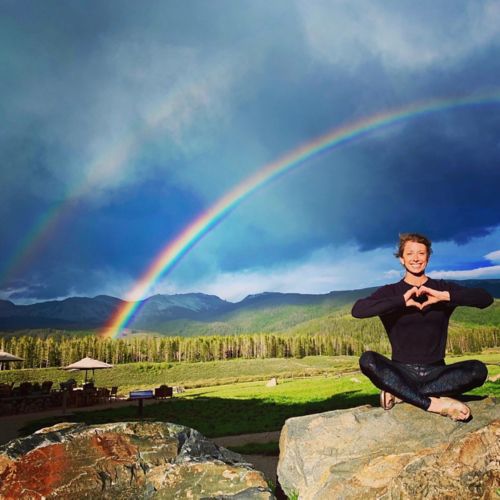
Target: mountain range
{"type": "Point", "coordinates": [191, 313]}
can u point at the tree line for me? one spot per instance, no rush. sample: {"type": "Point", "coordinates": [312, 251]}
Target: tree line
{"type": "Point", "coordinates": [341, 336]}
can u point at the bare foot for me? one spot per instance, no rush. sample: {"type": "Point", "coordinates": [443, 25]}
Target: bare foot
{"type": "Point", "coordinates": [449, 407]}
{"type": "Point", "coordinates": [388, 400]}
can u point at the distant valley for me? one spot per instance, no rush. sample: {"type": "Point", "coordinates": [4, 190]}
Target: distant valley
{"type": "Point", "coordinates": [200, 314]}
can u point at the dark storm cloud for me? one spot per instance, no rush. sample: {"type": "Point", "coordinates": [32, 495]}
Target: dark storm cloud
{"type": "Point", "coordinates": [237, 85]}
{"type": "Point", "coordinates": [42, 292]}
{"type": "Point", "coordinates": [437, 175]}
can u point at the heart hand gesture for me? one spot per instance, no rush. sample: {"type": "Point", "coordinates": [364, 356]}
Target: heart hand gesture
{"type": "Point", "coordinates": [409, 300]}
{"type": "Point", "coordinates": [433, 296]}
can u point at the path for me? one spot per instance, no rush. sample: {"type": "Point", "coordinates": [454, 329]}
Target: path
{"type": "Point", "coordinates": [10, 425]}
{"type": "Point", "coordinates": [266, 464]}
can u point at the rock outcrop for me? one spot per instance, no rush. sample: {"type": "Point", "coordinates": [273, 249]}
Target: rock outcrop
{"type": "Point", "coordinates": [367, 452]}
{"type": "Point", "coordinates": [124, 460]}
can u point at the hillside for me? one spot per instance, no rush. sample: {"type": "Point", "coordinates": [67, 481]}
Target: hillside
{"type": "Point", "coordinates": [199, 314]}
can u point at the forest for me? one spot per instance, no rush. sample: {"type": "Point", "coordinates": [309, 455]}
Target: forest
{"type": "Point", "coordinates": [340, 335]}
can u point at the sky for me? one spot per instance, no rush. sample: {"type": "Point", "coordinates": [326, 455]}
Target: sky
{"type": "Point", "coordinates": [123, 121]}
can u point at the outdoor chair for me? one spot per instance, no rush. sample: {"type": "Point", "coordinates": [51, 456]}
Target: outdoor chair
{"type": "Point", "coordinates": [72, 398]}
{"type": "Point", "coordinates": [89, 395]}
{"type": "Point", "coordinates": [164, 391]}
{"type": "Point", "coordinates": [114, 393]}
{"type": "Point", "coordinates": [25, 388]}
{"type": "Point", "coordinates": [5, 391]}
{"type": "Point", "coordinates": [46, 386]}
{"type": "Point", "coordinates": [69, 385]}
{"type": "Point", "coordinates": [103, 394]}
{"type": "Point", "coordinates": [56, 399]}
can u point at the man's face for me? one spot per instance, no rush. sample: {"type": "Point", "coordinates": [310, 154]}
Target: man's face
{"type": "Point", "coordinates": [414, 257]}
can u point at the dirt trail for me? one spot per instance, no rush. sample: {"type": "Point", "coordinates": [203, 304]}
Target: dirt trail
{"type": "Point", "coordinates": [260, 437]}
{"type": "Point", "coordinates": [266, 464]}
{"type": "Point", "coordinates": [11, 424]}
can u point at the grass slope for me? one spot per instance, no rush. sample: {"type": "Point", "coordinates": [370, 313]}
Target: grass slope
{"type": "Point", "coordinates": [269, 319]}
{"type": "Point", "coordinates": [301, 318]}
{"type": "Point", "coordinates": [471, 316]}
{"type": "Point", "coordinates": [147, 375]}
{"type": "Point", "coordinates": [249, 407]}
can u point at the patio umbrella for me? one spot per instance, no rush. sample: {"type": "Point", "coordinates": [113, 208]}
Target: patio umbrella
{"type": "Point", "coordinates": [88, 364]}
{"type": "Point", "coordinates": [7, 357]}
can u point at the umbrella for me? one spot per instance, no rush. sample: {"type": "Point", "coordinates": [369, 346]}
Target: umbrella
{"type": "Point", "coordinates": [7, 357]}
{"type": "Point", "coordinates": [88, 364]}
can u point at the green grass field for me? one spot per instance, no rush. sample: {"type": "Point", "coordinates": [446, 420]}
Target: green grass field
{"type": "Point", "coordinates": [147, 375]}
{"type": "Point", "coordinates": [249, 407]}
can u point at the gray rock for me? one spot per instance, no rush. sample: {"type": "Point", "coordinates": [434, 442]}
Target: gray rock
{"type": "Point", "coordinates": [367, 452]}
{"type": "Point", "coordinates": [125, 460]}
{"type": "Point", "coordinates": [272, 382]}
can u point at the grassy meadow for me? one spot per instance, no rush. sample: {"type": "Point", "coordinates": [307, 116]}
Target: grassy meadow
{"type": "Point", "coordinates": [145, 375]}
{"type": "Point", "coordinates": [241, 407]}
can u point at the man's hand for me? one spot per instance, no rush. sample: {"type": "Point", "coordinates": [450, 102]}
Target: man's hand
{"type": "Point", "coordinates": [433, 296]}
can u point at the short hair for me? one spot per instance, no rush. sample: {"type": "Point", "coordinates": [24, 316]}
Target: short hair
{"type": "Point", "coordinates": [416, 237]}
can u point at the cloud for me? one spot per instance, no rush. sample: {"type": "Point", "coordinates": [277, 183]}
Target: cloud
{"type": "Point", "coordinates": [149, 115]}
{"type": "Point", "coordinates": [97, 153]}
{"type": "Point", "coordinates": [478, 273]}
{"type": "Point", "coordinates": [67, 282]}
{"type": "Point", "coordinates": [327, 269]}
{"type": "Point", "coordinates": [91, 126]}
{"type": "Point", "coordinates": [330, 268]}
{"type": "Point", "coordinates": [493, 256]}
{"type": "Point", "coordinates": [402, 37]}
{"type": "Point", "coordinates": [368, 193]}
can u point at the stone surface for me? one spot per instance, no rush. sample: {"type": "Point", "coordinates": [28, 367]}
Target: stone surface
{"type": "Point", "coordinates": [367, 452]}
{"type": "Point", "coordinates": [273, 382]}
{"type": "Point", "coordinates": [125, 460]}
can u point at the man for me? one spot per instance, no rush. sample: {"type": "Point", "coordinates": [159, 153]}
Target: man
{"type": "Point", "coordinates": [415, 313]}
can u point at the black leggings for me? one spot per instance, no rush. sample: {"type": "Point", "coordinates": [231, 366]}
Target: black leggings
{"type": "Point", "coordinates": [415, 383]}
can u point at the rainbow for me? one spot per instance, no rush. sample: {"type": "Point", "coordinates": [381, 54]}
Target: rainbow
{"type": "Point", "coordinates": [47, 223]}
{"type": "Point", "coordinates": [39, 236]}
{"type": "Point", "coordinates": [102, 168]}
{"type": "Point", "coordinates": [174, 251]}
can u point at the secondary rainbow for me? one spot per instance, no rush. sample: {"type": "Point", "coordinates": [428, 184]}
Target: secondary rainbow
{"type": "Point", "coordinates": [173, 252]}
{"type": "Point", "coordinates": [94, 175]}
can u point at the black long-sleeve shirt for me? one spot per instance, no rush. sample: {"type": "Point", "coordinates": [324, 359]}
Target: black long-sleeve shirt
{"type": "Point", "coordinates": [418, 336]}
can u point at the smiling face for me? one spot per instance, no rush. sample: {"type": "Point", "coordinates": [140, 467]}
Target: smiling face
{"type": "Point", "coordinates": [414, 258]}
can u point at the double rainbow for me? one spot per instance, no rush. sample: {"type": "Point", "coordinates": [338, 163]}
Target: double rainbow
{"type": "Point", "coordinates": [174, 251]}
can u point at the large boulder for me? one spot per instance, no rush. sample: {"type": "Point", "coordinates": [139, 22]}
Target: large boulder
{"type": "Point", "coordinates": [367, 452]}
{"type": "Point", "coordinates": [124, 460]}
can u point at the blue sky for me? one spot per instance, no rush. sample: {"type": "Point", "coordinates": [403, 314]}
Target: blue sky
{"type": "Point", "coordinates": [136, 117]}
